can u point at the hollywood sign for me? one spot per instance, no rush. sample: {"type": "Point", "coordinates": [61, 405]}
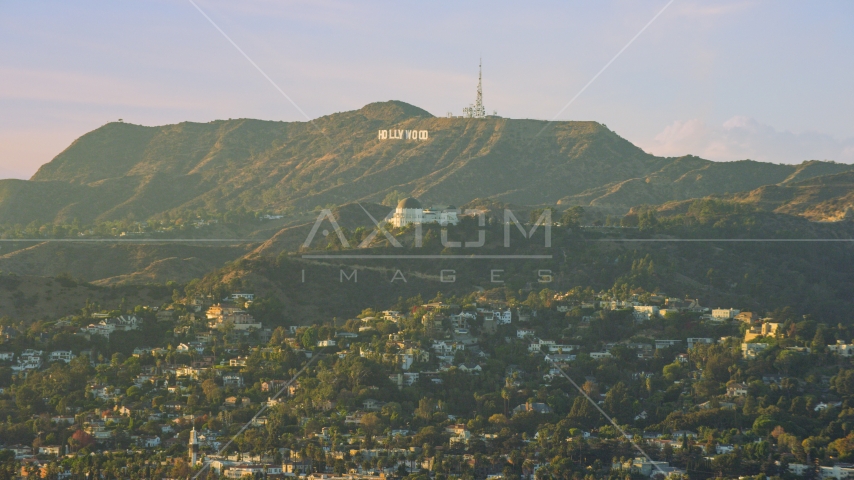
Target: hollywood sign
{"type": "Point", "coordinates": [403, 135]}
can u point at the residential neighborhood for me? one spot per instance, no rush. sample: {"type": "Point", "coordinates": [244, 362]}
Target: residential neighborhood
{"type": "Point", "coordinates": [477, 386]}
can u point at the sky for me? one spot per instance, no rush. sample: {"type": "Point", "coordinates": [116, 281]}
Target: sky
{"type": "Point", "coordinates": [725, 80]}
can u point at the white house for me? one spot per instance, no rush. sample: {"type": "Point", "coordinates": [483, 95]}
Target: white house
{"type": "Point", "coordinates": [61, 356]}
{"type": "Point", "coordinates": [525, 332]}
{"type": "Point", "coordinates": [502, 318]}
{"type": "Point", "coordinates": [29, 360]}
{"type": "Point", "coordinates": [537, 345]}
{"type": "Point", "coordinates": [149, 441]}
{"type": "Point", "coordinates": [242, 296]}
{"type": "Point", "coordinates": [50, 450]}
{"type": "Point", "coordinates": [751, 350]}
{"type": "Point", "coordinates": [447, 348]}
{"type": "Point", "coordinates": [644, 312]}
{"type": "Point", "coordinates": [106, 327]}
{"type": "Point", "coordinates": [736, 390]}
{"type": "Point", "coordinates": [404, 379]}
{"type": "Point", "coordinates": [471, 368]}
{"type": "Point", "coordinates": [232, 379]}
{"type": "Point", "coordinates": [842, 349]}
{"type": "Point", "coordinates": [724, 313]}
{"type": "Point", "coordinates": [836, 471]}
{"type": "Point", "coordinates": [561, 348]}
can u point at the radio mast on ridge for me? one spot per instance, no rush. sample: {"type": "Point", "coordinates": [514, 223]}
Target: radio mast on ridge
{"type": "Point", "coordinates": [477, 110]}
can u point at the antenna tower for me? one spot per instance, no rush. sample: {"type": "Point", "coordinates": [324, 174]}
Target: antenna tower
{"type": "Point", "coordinates": [477, 110]}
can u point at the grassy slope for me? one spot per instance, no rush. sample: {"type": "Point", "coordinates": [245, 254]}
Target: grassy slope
{"type": "Point", "coordinates": [826, 198]}
{"type": "Point", "coordinates": [690, 177]}
{"type": "Point", "coordinates": [812, 277]}
{"type": "Point", "coordinates": [122, 169]}
{"type": "Point", "coordinates": [117, 263]}
{"type": "Point", "coordinates": [30, 298]}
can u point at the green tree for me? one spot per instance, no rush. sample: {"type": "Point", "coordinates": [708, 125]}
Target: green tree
{"type": "Point", "coordinates": [572, 216]}
{"type": "Point", "coordinates": [618, 402]}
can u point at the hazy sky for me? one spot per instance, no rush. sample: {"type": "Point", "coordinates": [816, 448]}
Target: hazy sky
{"type": "Point", "coordinates": [725, 80]}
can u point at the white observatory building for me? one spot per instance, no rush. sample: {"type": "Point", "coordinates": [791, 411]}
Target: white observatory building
{"type": "Point", "coordinates": [409, 210]}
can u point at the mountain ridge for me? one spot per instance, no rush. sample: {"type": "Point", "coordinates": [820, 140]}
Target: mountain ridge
{"type": "Point", "coordinates": [122, 170]}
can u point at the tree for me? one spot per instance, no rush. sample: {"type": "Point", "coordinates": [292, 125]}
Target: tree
{"type": "Point", "coordinates": [279, 336]}
{"type": "Point", "coordinates": [583, 414]}
{"type": "Point", "coordinates": [819, 343]}
{"type": "Point", "coordinates": [426, 407]}
{"type": "Point", "coordinates": [212, 391]}
{"type": "Point", "coordinates": [647, 220]}
{"type": "Point", "coordinates": [27, 399]}
{"type": "Point", "coordinates": [572, 216]}
{"type": "Point", "coordinates": [372, 424]}
{"type": "Point", "coordinates": [618, 403]}
{"type": "Point", "coordinates": [309, 338]}
{"type": "Point", "coordinates": [844, 382]}
{"type": "Point", "coordinates": [673, 371]}
{"type": "Point", "coordinates": [80, 439]}
{"type": "Point", "coordinates": [506, 394]}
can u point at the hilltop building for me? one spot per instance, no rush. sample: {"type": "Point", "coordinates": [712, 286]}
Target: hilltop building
{"type": "Point", "coordinates": [409, 210]}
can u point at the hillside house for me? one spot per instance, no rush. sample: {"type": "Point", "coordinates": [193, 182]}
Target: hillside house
{"type": "Point", "coordinates": [404, 379]}
{"type": "Point", "coordinates": [842, 349]}
{"type": "Point", "coordinates": [722, 314]}
{"type": "Point", "coordinates": [525, 332]}
{"type": "Point", "coordinates": [699, 341]}
{"type": "Point", "coordinates": [752, 350]}
{"type": "Point", "coordinates": [237, 362]}
{"type": "Point", "coordinates": [471, 368]}
{"type": "Point", "coordinates": [441, 347]}
{"type": "Point", "coordinates": [106, 327]}
{"type": "Point", "coordinates": [232, 380]}
{"type": "Point", "coordinates": [747, 317]}
{"type": "Point", "coordinates": [272, 385]}
{"type": "Point", "coordinates": [642, 313]}
{"type": "Point", "coordinates": [764, 330]}
{"type": "Point", "coordinates": [736, 390]}
{"type": "Point", "coordinates": [666, 343]}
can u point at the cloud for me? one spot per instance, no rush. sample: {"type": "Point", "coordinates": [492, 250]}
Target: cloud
{"type": "Point", "coordinates": [703, 9]}
{"type": "Point", "coordinates": [743, 137]}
